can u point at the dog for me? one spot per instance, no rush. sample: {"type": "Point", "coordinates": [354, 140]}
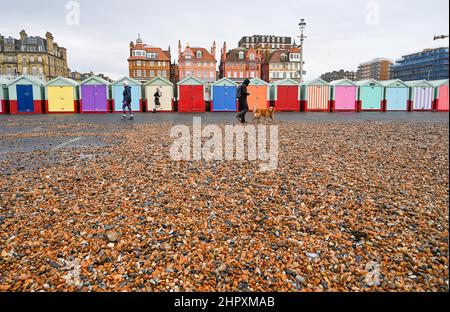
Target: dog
{"type": "Point", "coordinates": [265, 113]}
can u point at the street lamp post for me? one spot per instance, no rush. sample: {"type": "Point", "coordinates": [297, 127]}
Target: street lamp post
{"type": "Point", "coordinates": [302, 26]}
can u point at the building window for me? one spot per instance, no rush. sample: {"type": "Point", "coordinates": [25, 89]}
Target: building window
{"type": "Point", "coordinates": [241, 75]}
{"type": "Point", "coordinates": [34, 71]}
{"type": "Point", "coordinates": [252, 57]}
{"type": "Point", "coordinates": [40, 59]}
{"type": "Point", "coordinates": [152, 73]}
{"type": "Point", "coordinates": [159, 73]}
{"type": "Point", "coordinates": [252, 74]}
{"type": "Point", "coordinates": [211, 75]}
{"type": "Point", "coordinates": [32, 59]}
{"type": "Point", "coordinates": [241, 55]}
{"type": "Point", "coordinates": [199, 54]}
{"type": "Point", "coordinates": [229, 74]}
{"type": "Point", "coordinates": [25, 70]}
{"type": "Point", "coordinates": [139, 73]}
{"type": "Point", "coordinates": [138, 63]}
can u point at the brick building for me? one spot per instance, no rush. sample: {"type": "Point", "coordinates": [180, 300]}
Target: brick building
{"type": "Point", "coordinates": [378, 69]}
{"type": "Point", "coordinates": [339, 75]}
{"type": "Point", "coordinates": [35, 56]}
{"type": "Point", "coordinates": [265, 41]}
{"type": "Point", "coordinates": [147, 62]}
{"type": "Point", "coordinates": [281, 64]}
{"type": "Point", "coordinates": [197, 62]}
{"type": "Point", "coordinates": [240, 64]}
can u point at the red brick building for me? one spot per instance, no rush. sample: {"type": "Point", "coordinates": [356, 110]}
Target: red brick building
{"type": "Point", "coordinates": [147, 62]}
{"type": "Point", "coordinates": [281, 64]}
{"type": "Point", "coordinates": [240, 64]}
{"type": "Point", "coordinates": [197, 62]}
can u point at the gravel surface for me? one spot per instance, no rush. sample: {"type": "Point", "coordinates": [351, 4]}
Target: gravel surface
{"type": "Point", "coordinates": [353, 206]}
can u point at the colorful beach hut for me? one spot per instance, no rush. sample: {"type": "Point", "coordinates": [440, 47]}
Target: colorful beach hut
{"type": "Point", "coordinates": [441, 95]}
{"type": "Point", "coordinates": [224, 96]}
{"type": "Point", "coordinates": [61, 96]}
{"type": "Point", "coordinates": [315, 96]}
{"type": "Point", "coordinates": [344, 95]}
{"type": "Point", "coordinates": [191, 96]}
{"type": "Point", "coordinates": [370, 95]}
{"type": "Point", "coordinates": [285, 95]}
{"type": "Point", "coordinates": [4, 95]}
{"type": "Point", "coordinates": [94, 96]}
{"type": "Point", "coordinates": [26, 95]}
{"type": "Point", "coordinates": [421, 95]}
{"type": "Point", "coordinates": [117, 89]}
{"type": "Point", "coordinates": [395, 95]}
{"type": "Point", "coordinates": [167, 91]}
{"type": "Point", "coordinates": [259, 94]}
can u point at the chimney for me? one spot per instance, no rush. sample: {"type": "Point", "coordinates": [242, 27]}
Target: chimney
{"type": "Point", "coordinates": [213, 49]}
{"type": "Point", "coordinates": [179, 48]}
{"type": "Point", "coordinates": [23, 35]}
{"type": "Point", "coordinates": [49, 38]}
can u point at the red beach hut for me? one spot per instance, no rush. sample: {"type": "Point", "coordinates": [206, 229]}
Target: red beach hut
{"type": "Point", "coordinates": [191, 96]}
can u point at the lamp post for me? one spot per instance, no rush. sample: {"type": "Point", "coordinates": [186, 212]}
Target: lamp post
{"type": "Point", "coordinates": [302, 26]}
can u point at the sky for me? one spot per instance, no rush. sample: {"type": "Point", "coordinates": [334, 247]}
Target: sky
{"type": "Point", "coordinates": [340, 33]}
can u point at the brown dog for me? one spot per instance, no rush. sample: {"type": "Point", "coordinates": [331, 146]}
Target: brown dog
{"type": "Point", "coordinates": [265, 113]}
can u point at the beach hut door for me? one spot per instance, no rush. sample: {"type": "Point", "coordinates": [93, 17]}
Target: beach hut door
{"type": "Point", "coordinates": [25, 99]}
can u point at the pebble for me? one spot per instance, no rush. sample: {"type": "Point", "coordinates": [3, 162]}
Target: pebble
{"type": "Point", "coordinates": [364, 211]}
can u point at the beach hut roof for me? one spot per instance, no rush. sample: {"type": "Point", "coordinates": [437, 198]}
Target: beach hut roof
{"type": "Point", "coordinates": [257, 81]}
{"type": "Point", "coordinates": [225, 81]}
{"type": "Point", "coordinates": [158, 81]}
{"type": "Point", "coordinates": [190, 80]}
{"type": "Point", "coordinates": [97, 79]}
{"type": "Point", "coordinates": [287, 81]}
{"type": "Point", "coordinates": [63, 79]}
{"type": "Point", "coordinates": [343, 82]}
{"type": "Point", "coordinates": [438, 83]}
{"type": "Point", "coordinates": [419, 83]}
{"type": "Point", "coordinates": [128, 79]}
{"type": "Point", "coordinates": [316, 82]}
{"type": "Point", "coordinates": [4, 81]}
{"type": "Point", "coordinates": [393, 83]}
{"type": "Point", "coordinates": [369, 82]}
{"type": "Point", "coordinates": [30, 79]}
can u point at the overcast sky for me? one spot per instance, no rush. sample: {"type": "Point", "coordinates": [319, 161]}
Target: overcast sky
{"type": "Point", "coordinates": [341, 34]}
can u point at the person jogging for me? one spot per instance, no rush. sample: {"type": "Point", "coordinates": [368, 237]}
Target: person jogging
{"type": "Point", "coordinates": [157, 96]}
{"type": "Point", "coordinates": [127, 101]}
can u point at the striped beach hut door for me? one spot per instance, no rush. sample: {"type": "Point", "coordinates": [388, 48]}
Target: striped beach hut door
{"type": "Point", "coordinates": [423, 98]}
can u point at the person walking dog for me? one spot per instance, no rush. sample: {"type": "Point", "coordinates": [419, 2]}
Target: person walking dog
{"type": "Point", "coordinates": [127, 101]}
{"type": "Point", "coordinates": [242, 95]}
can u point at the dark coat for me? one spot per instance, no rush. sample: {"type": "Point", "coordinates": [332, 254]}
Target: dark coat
{"type": "Point", "coordinates": [127, 95]}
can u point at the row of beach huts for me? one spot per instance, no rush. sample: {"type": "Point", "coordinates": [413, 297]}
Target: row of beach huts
{"type": "Point", "coordinates": [28, 95]}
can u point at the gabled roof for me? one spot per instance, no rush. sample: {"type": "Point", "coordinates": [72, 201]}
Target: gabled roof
{"type": "Point", "coordinates": [206, 56]}
{"type": "Point", "coordinates": [438, 83]}
{"type": "Point", "coordinates": [316, 82]}
{"type": "Point", "coordinates": [225, 81]}
{"type": "Point", "coordinates": [62, 79]}
{"type": "Point", "coordinates": [158, 81]}
{"type": "Point", "coordinates": [419, 83]}
{"type": "Point", "coordinates": [128, 79]}
{"type": "Point", "coordinates": [284, 82]}
{"type": "Point", "coordinates": [233, 55]}
{"type": "Point", "coordinates": [97, 79]}
{"type": "Point", "coordinates": [275, 57]}
{"type": "Point", "coordinates": [4, 81]}
{"type": "Point", "coordinates": [393, 83]}
{"type": "Point", "coordinates": [30, 79]}
{"type": "Point", "coordinates": [343, 82]}
{"type": "Point", "coordinates": [369, 82]}
{"type": "Point", "coordinates": [258, 82]}
{"type": "Point", "coordinates": [162, 55]}
{"type": "Point", "coordinates": [190, 80]}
